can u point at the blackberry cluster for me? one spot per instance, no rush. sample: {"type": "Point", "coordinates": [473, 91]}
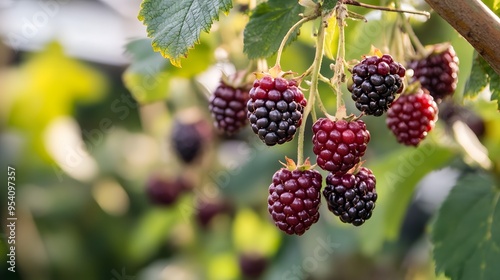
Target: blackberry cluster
{"type": "Point", "coordinates": [294, 199]}
{"type": "Point", "coordinates": [351, 197]}
{"type": "Point", "coordinates": [437, 72]}
{"type": "Point", "coordinates": [187, 140]}
{"type": "Point", "coordinates": [375, 82]}
{"type": "Point", "coordinates": [165, 191]}
{"type": "Point", "coordinates": [228, 107]}
{"type": "Point", "coordinates": [339, 145]}
{"type": "Point", "coordinates": [275, 109]}
{"type": "Point", "coordinates": [411, 116]}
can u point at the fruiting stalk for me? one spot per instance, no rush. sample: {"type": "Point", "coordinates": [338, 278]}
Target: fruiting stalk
{"type": "Point", "coordinates": [318, 58]}
{"type": "Point", "coordinates": [409, 30]}
{"type": "Point", "coordinates": [287, 36]}
{"type": "Point", "coordinates": [341, 14]}
{"type": "Point", "coordinates": [397, 10]}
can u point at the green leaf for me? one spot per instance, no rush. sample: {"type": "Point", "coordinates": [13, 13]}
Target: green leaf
{"type": "Point", "coordinates": [268, 25]}
{"type": "Point", "coordinates": [175, 26]}
{"type": "Point", "coordinates": [466, 234]}
{"type": "Point", "coordinates": [495, 89]}
{"type": "Point", "coordinates": [328, 5]}
{"type": "Point", "coordinates": [478, 78]}
{"type": "Point", "coordinates": [397, 176]}
{"type": "Point", "coordinates": [146, 77]}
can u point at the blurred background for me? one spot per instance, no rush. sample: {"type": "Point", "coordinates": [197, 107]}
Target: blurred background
{"type": "Point", "coordinates": [120, 174]}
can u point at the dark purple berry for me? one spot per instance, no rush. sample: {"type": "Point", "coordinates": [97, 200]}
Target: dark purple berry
{"type": "Point", "coordinates": [294, 199]}
{"type": "Point", "coordinates": [351, 197]}
{"type": "Point", "coordinates": [228, 106]}
{"type": "Point", "coordinates": [165, 191]}
{"type": "Point", "coordinates": [375, 82]}
{"type": "Point", "coordinates": [438, 71]}
{"type": "Point", "coordinates": [275, 109]}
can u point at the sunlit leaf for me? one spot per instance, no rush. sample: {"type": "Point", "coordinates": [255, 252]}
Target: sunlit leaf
{"type": "Point", "coordinates": [466, 234]}
{"type": "Point", "coordinates": [175, 26]}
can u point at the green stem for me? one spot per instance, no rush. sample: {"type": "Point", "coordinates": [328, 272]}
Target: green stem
{"type": "Point", "coordinates": [373, 7]}
{"type": "Point", "coordinates": [287, 36]}
{"type": "Point", "coordinates": [318, 58]}
{"type": "Point", "coordinates": [341, 14]}
{"type": "Point", "coordinates": [409, 30]}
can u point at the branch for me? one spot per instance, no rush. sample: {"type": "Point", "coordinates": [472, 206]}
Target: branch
{"type": "Point", "coordinates": [476, 23]}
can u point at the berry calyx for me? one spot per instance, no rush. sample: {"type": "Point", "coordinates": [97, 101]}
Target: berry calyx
{"type": "Point", "coordinates": [339, 145]}
{"type": "Point", "coordinates": [375, 82]}
{"type": "Point", "coordinates": [351, 197]}
{"type": "Point", "coordinates": [438, 71]}
{"type": "Point", "coordinates": [228, 104]}
{"type": "Point", "coordinates": [275, 109]}
{"type": "Point", "coordinates": [412, 116]}
{"type": "Point", "coordinates": [294, 199]}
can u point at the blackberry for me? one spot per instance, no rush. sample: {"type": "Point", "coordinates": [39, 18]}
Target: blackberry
{"type": "Point", "coordinates": [228, 106]}
{"type": "Point", "coordinates": [450, 112]}
{"type": "Point", "coordinates": [351, 197]}
{"type": "Point", "coordinates": [275, 109]}
{"type": "Point", "coordinates": [165, 191]}
{"type": "Point", "coordinates": [375, 82]}
{"type": "Point", "coordinates": [438, 71]}
{"type": "Point", "coordinates": [339, 145]}
{"type": "Point", "coordinates": [294, 199]}
{"type": "Point", "coordinates": [187, 140]}
{"type": "Point", "coordinates": [252, 265]}
{"type": "Point", "coordinates": [411, 116]}
{"type": "Point", "coordinates": [207, 210]}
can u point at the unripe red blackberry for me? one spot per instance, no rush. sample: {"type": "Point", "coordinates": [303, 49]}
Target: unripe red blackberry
{"type": "Point", "coordinates": [351, 197]}
{"type": "Point", "coordinates": [165, 191]}
{"type": "Point", "coordinates": [275, 109]}
{"type": "Point", "coordinates": [294, 199]}
{"type": "Point", "coordinates": [339, 145]}
{"type": "Point", "coordinates": [411, 116]}
{"type": "Point", "coordinates": [228, 105]}
{"type": "Point", "coordinates": [375, 82]}
{"type": "Point", "coordinates": [438, 71]}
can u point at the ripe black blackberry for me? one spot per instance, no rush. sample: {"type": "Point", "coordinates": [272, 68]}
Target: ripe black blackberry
{"type": "Point", "coordinates": [351, 197]}
{"type": "Point", "coordinates": [339, 145]}
{"type": "Point", "coordinates": [375, 82]}
{"type": "Point", "coordinates": [412, 116]}
{"type": "Point", "coordinates": [275, 109]}
{"type": "Point", "coordinates": [187, 139]}
{"type": "Point", "coordinates": [165, 191]}
{"type": "Point", "coordinates": [228, 104]}
{"type": "Point", "coordinates": [294, 199]}
{"type": "Point", "coordinates": [438, 71]}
